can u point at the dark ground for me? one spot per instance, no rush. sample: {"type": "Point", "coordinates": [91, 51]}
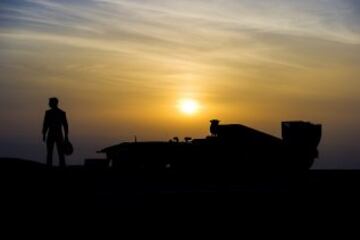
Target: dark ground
{"type": "Point", "coordinates": [29, 186]}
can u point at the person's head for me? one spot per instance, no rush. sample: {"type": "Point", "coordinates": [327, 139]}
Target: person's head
{"type": "Point", "coordinates": [53, 102]}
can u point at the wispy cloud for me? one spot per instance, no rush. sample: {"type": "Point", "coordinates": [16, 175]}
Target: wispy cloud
{"type": "Point", "coordinates": [332, 20]}
{"type": "Point", "coordinates": [243, 37]}
{"type": "Point", "coordinates": [198, 31]}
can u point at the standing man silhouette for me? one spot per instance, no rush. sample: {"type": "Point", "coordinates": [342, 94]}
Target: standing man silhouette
{"type": "Point", "coordinates": [54, 121]}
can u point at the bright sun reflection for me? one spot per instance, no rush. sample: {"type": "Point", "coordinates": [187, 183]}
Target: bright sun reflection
{"type": "Point", "coordinates": [188, 106]}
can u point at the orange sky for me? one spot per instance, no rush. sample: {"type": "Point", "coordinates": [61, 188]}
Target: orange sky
{"type": "Point", "coordinates": [121, 67]}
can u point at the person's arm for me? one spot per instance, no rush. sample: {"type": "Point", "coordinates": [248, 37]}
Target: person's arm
{"type": "Point", "coordinates": [45, 126]}
{"type": "Point", "coordinates": [66, 126]}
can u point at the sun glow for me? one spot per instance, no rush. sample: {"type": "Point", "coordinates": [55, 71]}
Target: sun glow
{"type": "Point", "coordinates": [188, 106]}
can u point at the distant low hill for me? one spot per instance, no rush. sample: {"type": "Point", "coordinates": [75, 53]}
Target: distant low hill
{"type": "Point", "coordinates": [17, 163]}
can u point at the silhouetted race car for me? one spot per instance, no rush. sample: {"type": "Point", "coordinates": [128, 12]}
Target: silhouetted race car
{"type": "Point", "coordinates": [229, 149]}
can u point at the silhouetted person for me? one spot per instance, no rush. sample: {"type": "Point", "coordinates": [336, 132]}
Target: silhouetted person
{"type": "Point", "coordinates": [54, 121]}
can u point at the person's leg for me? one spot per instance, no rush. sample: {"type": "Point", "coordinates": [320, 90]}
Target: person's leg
{"type": "Point", "coordinates": [59, 146]}
{"type": "Point", "coordinates": [50, 149]}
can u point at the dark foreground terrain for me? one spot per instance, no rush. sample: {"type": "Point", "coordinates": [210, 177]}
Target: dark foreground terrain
{"type": "Point", "coordinates": [28, 185]}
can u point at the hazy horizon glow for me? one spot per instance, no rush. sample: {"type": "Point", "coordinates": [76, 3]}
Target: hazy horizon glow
{"type": "Point", "coordinates": [120, 67]}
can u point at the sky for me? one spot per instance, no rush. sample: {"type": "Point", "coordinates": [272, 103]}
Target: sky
{"type": "Point", "coordinates": [121, 67]}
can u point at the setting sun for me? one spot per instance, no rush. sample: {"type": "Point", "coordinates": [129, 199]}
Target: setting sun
{"type": "Point", "coordinates": [188, 106]}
